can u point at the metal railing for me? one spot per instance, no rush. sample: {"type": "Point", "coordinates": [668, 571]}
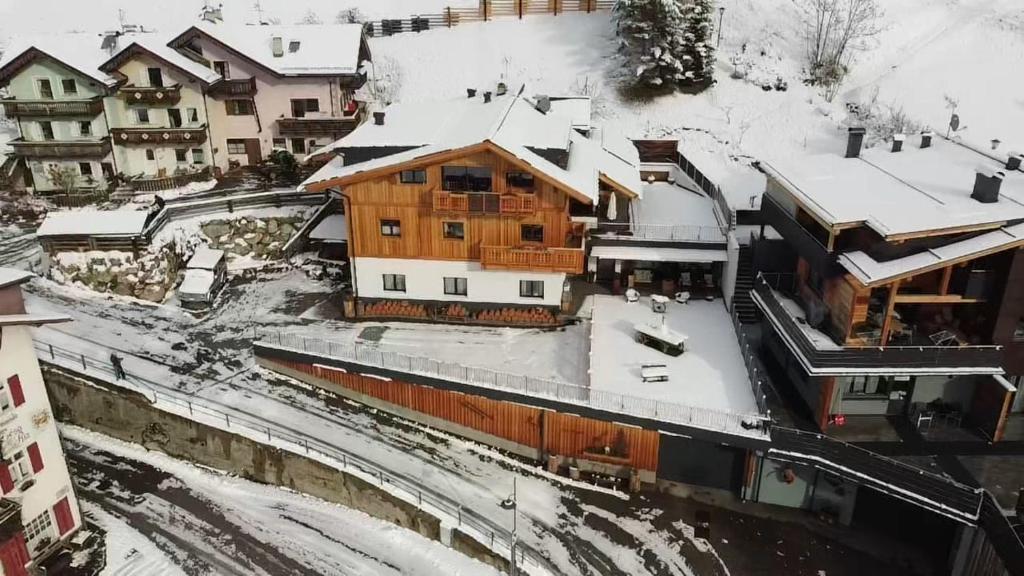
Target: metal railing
{"type": "Point", "coordinates": [661, 232]}
{"type": "Point", "coordinates": [755, 370]}
{"type": "Point", "coordinates": [486, 10]}
{"type": "Point", "coordinates": [750, 425]}
{"type": "Point", "coordinates": [13, 107]}
{"type": "Point", "coordinates": [264, 430]}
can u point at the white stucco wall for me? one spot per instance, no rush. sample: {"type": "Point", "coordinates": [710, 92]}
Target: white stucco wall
{"type": "Point", "coordinates": [424, 280]}
{"type": "Point", "coordinates": [33, 421]}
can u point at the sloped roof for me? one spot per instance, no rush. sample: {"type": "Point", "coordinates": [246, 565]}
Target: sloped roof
{"type": "Point", "coordinates": [157, 48]}
{"type": "Point", "coordinates": [508, 122]}
{"type": "Point", "coordinates": [205, 258]}
{"type": "Point", "coordinates": [12, 276]}
{"type": "Point", "coordinates": [324, 49]}
{"type": "Point", "coordinates": [93, 223]}
{"type": "Point", "coordinates": [79, 51]}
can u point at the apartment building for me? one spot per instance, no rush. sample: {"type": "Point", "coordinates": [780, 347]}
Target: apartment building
{"type": "Point", "coordinates": [896, 290]}
{"type": "Point", "coordinates": [38, 507]}
{"type": "Point", "coordinates": [465, 205]}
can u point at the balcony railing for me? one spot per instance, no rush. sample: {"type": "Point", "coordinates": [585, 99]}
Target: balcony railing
{"type": "Point", "coordinates": [240, 87]}
{"type": "Point", "coordinates": [333, 127]}
{"type": "Point", "coordinates": [856, 359]}
{"type": "Point", "coordinates": [14, 108]}
{"type": "Point", "coordinates": [568, 260]}
{"type": "Point", "coordinates": [159, 136]}
{"type": "Point", "coordinates": [162, 95]}
{"type": "Point", "coordinates": [61, 148]}
{"type": "Point", "coordinates": [611, 231]}
{"type": "Point", "coordinates": [805, 244]}
{"type": "Point", "coordinates": [484, 203]}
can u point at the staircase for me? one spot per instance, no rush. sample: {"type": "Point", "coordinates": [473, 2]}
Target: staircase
{"type": "Point", "coordinates": [742, 303]}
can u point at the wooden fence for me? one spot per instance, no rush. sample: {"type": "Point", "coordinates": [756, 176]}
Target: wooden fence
{"type": "Point", "coordinates": [487, 10]}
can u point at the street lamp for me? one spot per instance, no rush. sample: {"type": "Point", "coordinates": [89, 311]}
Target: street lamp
{"type": "Point", "coordinates": [721, 14]}
{"type": "Point", "coordinates": [511, 503]}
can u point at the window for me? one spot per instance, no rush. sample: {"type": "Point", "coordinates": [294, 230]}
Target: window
{"type": "Point", "coordinates": [531, 232]}
{"type": "Point", "coordinates": [313, 146]}
{"type": "Point", "coordinates": [466, 178]}
{"type": "Point", "coordinates": [298, 146]}
{"type": "Point", "coordinates": [394, 282]}
{"type": "Point", "coordinates": [150, 155]}
{"type": "Point", "coordinates": [85, 169]}
{"type": "Point", "coordinates": [174, 117]}
{"type": "Point", "coordinates": [44, 88]}
{"type": "Point", "coordinates": [302, 106]}
{"type": "Point", "coordinates": [46, 130]}
{"type": "Point", "coordinates": [197, 156]}
{"type": "Point", "coordinates": [294, 45]}
{"type": "Point", "coordinates": [455, 286]}
{"type": "Point", "coordinates": [522, 180]}
{"type": "Point", "coordinates": [531, 288]}
{"type": "Point", "coordinates": [390, 227]}
{"type": "Point", "coordinates": [156, 77]}
{"type": "Point", "coordinates": [413, 176]}
{"type": "Point", "coordinates": [142, 116]}
{"type": "Point", "coordinates": [454, 230]}
{"type": "Point", "coordinates": [69, 86]}
{"type": "Point", "coordinates": [239, 107]}
{"type": "Point", "coordinates": [236, 146]}
{"type": "Point", "coordinates": [222, 68]}
{"type": "Point", "coordinates": [193, 115]}
{"type": "Point", "coordinates": [867, 386]}
{"type": "Point", "coordinates": [85, 128]}
{"type": "Point", "coordinates": [181, 155]}
{"type": "Point", "coordinates": [39, 528]}
{"type": "Point", "coordinates": [280, 143]}
{"type": "Point", "coordinates": [20, 468]}
{"type": "Point", "coordinates": [7, 400]}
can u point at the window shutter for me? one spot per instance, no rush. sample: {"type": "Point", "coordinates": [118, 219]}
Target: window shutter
{"type": "Point", "coordinates": [6, 484]}
{"type": "Point", "coordinates": [14, 555]}
{"type": "Point", "coordinates": [65, 521]}
{"type": "Point", "coordinates": [35, 457]}
{"type": "Point", "coordinates": [17, 394]}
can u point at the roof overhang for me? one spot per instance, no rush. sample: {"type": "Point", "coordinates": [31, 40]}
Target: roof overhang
{"type": "Point", "coordinates": [32, 54]}
{"type": "Point", "coordinates": [32, 319]}
{"type": "Point", "coordinates": [135, 49]}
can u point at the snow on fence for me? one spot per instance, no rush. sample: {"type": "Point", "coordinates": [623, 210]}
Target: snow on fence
{"type": "Point", "coordinates": [485, 11]}
{"type": "Point", "coordinates": [749, 425]}
{"type": "Point", "coordinates": [663, 232]}
{"type": "Point", "coordinates": [254, 427]}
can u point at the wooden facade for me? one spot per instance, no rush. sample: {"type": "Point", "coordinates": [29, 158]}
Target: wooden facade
{"type": "Point", "coordinates": [423, 209]}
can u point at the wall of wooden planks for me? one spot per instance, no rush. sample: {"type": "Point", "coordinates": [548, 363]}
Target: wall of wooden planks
{"type": "Point", "coordinates": [550, 432]}
{"type": "Point", "coordinates": [422, 237]}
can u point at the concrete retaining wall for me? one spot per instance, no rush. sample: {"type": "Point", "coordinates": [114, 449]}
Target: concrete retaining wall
{"type": "Point", "coordinates": [128, 416]}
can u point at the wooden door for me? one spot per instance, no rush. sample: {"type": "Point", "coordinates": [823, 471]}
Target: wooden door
{"type": "Point", "coordinates": [252, 149]}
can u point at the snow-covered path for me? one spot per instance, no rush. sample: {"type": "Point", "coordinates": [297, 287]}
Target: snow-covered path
{"type": "Point", "coordinates": [199, 522]}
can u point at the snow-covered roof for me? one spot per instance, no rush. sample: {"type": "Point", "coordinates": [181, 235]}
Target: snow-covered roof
{"type": "Point", "coordinates": [205, 259]}
{"type": "Point", "coordinates": [80, 51]}
{"type": "Point", "coordinates": [870, 271]}
{"type": "Point", "coordinates": [665, 204]}
{"type": "Point", "coordinates": [309, 50]}
{"type": "Point", "coordinates": [509, 122]}
{"type": "Point", "coordinates": [903, 193]}
{"type": "Point", "coordinates": [196, 282]}
{"type": "Point", "coordinates": [157, 46]}
{"type": "Point", "coordinates": [32, 319]}
{"type": "Point", "coordinates": [12, 276]}
{"type": "Point", "coordinates": [740, 183]}
{"type": "Point", "coordinates": [93, 223]}
{"type": "Point", "coordinates": [333, 227]}
{"type": "Point", "coordinates": [575, 108]}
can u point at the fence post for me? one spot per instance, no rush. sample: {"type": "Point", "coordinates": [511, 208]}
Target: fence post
{"type": "Point", "coordinates": [190, 408]}
{"type": "Point", "coordinates": [344, 460]}
{"type": "Point", "coordinates": [448, 14]}
{"type": "Point", "coordinates": [83, 362]}
{"type": "Point", "coordinates": [555, 5]}
{"type": "Point", "coordinates": [52, 357]}
{"type": "Point", "coordinates": [227, 419]}
{"type": "Point", "coordinates": [381, 474]}
{"type": "Point", "coordinates": [519, 5]}
{"type": "Point", "coordinates": [305, 441]}
{"type": "Point", "coordinates": [268, 434]}
{"type": "Point", "coordinates": [484, 4]}
{"type": "Point", "coordinates": [460, 514]}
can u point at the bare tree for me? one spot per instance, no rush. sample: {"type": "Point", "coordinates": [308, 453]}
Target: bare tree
{"type": "Point", "coordinates": [349, 16]}
{"type": "Point", "coordinates": [387, 80]}
{"type": "Point", "coordinates": [310, 18]}
{"type": "Point", "coordinates": [63, 177]}
{"type": "Point", "coordinates": [835, 30]}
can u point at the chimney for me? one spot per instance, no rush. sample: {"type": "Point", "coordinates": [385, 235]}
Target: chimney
{"type": "Point", "coordinates": [854, 141]}
{"type": "Point", "coordinates": [926, 138]}
{"type": "Point", "coordinates": [487, 97]}
{"type": "Point", "coordinates": [897, 142]}
{"type": "Point", "coordinates": [110, 41]}
{"type": "Point", "coordinates": [378, 118]}
{"type": "Point", "coordinates": [470, 92]}
{"type": "Point", "coordinates": [543, 104]}
{"type": "Point", "coordinates": [986, 185]}
{"type": "Point", "coordinates": [1013, 162]}
{"type": "Point", "coordinates": [502, 89]}
{"type": "Point", "coordinates": [278, 46]}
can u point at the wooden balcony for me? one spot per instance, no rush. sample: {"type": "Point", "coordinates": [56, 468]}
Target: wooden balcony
{"type": "Point", "coordinates": [164, 95]}
{"type": "Point", "coordinates": [333, 127]}
{"type": "Point", "coordinates": [234, 88]}
{"type": "Point", "coordinates": [484, 203]}
{"type": "Point", "coordinates": [15, 108]}
{"type": "Point", "coordinates": [159, 136]}
{"type": "Point", "coordinates": [568, 260]}
{"type": "Point", "coordinates": [61, 148]}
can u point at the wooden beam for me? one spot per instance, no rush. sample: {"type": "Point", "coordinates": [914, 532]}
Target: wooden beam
{"type": "Point", "coordinates": [936, 299]}
{"type": "Point", "coordinates": [947, 273]}
{"type": "Point", "coordinates": [1004, 413]}
{"type": "Point", "coordinates": [961, 261]}
{"type": "Point", "coordinates": [889, 308]}
{"type": "Point", "coordinates": [537, 173]}
{"type": "Point", "coordinates": [946, 231]}
{"type": "Point", "coordinates": [395, 168]}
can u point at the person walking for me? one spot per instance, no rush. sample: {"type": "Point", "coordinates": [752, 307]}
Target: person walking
{"type": "Point", "coordinates": [118, 368]}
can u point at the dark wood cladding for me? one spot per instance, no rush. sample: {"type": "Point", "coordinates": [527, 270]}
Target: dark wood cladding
{"type": "Point", "coordinates": [15, 108]}
{"type": "Point", "coordinates": [159, 136]}
{"type": "Point", "coordinates": [163, 95]}
{"type": "Point", "coordinates": [657, 150]}
{"type": "Point", "coordinates": [547, 431]}
{"type": "Point", "coordinates": [61, 149]}
{"type": "Point", "coordinates": [336, 127]}
{"type": "Point", "coordinates": [237, 87]}
{"type": "Point", "coordinates": [1010, 316]}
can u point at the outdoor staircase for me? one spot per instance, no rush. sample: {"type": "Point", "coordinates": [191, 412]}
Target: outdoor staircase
{"type": "Point", "coordinates": [742, 303]}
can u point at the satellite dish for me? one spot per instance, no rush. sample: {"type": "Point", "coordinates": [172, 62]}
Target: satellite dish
{"type": "Point", "coordinates": [954, 122]}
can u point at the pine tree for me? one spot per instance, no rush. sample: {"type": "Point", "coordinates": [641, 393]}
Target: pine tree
{"type": "Point", "coordinates": [698, 53]}
{"type": "Point", "coordinates": [666, 42]}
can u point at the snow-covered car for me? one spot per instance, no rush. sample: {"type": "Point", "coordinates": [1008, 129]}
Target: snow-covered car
{"type": "Point", "coordinates": [205, 274]}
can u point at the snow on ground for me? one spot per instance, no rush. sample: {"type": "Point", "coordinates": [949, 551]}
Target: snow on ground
{"type": "Point", "coordinates": [129, 552]}
{"type": "Point", "coordinates": [709, 374]}
{"type": "Point", "coordinates": [669, 204]}
{"type": "Point", "coordinates": [237, 526]}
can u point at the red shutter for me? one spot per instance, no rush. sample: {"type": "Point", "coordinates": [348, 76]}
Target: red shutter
{"type": "Point", "coordinates": [65, 521]}
{"type": "Point", "coordinates": [17, 394]}
{"type": "Point", "coordinates": [14, 556]}
{"type": "Point", "coordinates": [35, 457]}
{"type": "Point", "coordinates": [6, 484]}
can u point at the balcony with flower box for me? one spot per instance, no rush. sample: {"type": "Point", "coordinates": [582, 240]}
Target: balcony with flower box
{"type": "Point", "coordinates": [159, 136]}
{"type": "Point", "coordinates": [14, 108]}
{"type": "Point", "coordinates": [60, 148]}
{"type": "Point", "coordinates": [152, 95]}
{"type": "Point", "coordinates": [534, 259]}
